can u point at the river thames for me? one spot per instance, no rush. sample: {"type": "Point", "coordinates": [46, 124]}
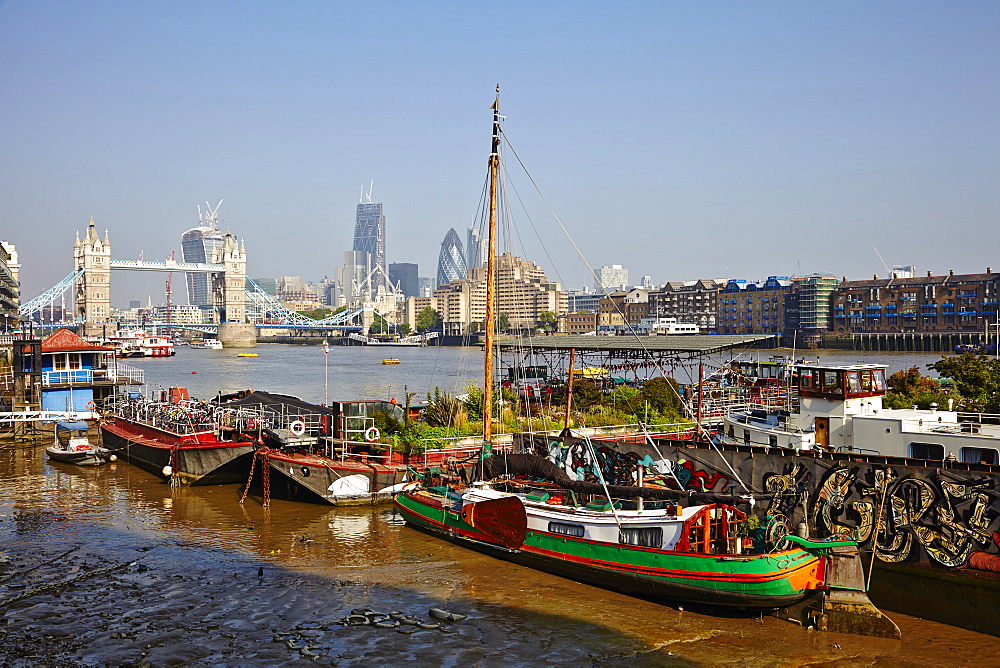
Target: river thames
{"type": "Point", "coordinates": [111, 566]}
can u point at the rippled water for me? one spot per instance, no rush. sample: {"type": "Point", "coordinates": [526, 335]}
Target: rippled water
{"type": "Point", "coordinates": [357, 372]}
{"type": "Point", "coordinates": [202, 578]}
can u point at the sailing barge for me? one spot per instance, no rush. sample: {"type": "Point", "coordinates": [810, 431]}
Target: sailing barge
{"type": "Point", "coordinates": [526, 510]}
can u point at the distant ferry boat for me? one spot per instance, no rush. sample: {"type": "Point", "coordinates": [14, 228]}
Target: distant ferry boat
{"type": "Point", "coordinates": [138, 343]}
{"type": "Point", "coordinates": [211, 344]}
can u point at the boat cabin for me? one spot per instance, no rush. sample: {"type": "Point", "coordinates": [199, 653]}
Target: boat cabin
{"type": "Point", "coordinates": [70, 373]}
{"type": "Point", "coordinates": [839, 383]}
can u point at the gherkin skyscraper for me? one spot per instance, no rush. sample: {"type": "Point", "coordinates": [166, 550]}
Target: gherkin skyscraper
{"type": "Point", "coordinates": [451, 260]}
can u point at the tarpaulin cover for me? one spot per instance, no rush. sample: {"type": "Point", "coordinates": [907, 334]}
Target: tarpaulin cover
{"type": "Point", "coordinates": [66, 426]}
{"type": "Point", "coordinates": [533, 466]}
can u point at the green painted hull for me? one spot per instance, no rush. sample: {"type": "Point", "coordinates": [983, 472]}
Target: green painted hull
{"type": "Point", "coordinates": [746, 581]}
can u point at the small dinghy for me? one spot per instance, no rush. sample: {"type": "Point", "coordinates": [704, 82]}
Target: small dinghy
{"type": "Point", "coordinates": [73, 447]}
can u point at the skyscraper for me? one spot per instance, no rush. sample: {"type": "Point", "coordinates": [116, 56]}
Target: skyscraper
{"type": "Point", "coordinates": [354, 276]}
{"type": "Point", "coordinates": [451, 260]}
{"type": "Point", "coordinates": [614, 277]}
{"type": "Point", "coordinates": [369, 237]}
{"type": "Point", "coordinates": [197, 246]}
{"type": "Point", "coordinates": [475, 248]}
{"type": "Point", "coordinates": [406, 276]}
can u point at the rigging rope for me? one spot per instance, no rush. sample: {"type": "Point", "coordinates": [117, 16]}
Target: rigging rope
{"type": "Point", "coordinates": [600, 475]}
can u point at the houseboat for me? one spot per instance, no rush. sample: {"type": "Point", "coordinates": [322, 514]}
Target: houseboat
{"type": "Point", "coordinates": [64, 372]}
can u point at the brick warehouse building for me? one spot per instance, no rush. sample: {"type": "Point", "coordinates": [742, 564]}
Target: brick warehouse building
{"type": "Point", "coordinates": [952, 303]}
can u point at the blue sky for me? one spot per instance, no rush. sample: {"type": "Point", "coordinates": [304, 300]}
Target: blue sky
{"type": "Point", "coordinates": [680, 139]}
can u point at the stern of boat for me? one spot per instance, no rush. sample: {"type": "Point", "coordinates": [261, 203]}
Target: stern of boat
{"type": "Point", "coordinates": [843, 606]}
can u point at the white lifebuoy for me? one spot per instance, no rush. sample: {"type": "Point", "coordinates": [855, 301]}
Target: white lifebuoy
{"type": "Point", "coordinates": [371, 434]}
{"type": "Point", "coordinates": [297, 427]}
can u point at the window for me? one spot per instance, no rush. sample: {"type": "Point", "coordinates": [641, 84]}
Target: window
{"type": "Point", "coordinates": [980, 456]}
{"type": "Point", "coordinates": [926, 451]}
{"type": "Point", "coordinates": [566, 529]}
{"type": "Point", "coordinates": [746, 437]}
{"type": "Point", "coordinates": [772, 440]}
{"type": "Point", "coordinates": [807, 380]}
{"type": "Point", "coordinates": [641, 536]}
{"type": "Point", "coordinates": [831, 382]}
{"type": "Point", "coordinates": [853, 383]}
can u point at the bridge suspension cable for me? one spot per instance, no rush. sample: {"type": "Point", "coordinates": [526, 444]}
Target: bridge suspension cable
{"type": "Point", "coordinates": [272, 309]}
{"type": "Point", "coordinates": [33, 306]}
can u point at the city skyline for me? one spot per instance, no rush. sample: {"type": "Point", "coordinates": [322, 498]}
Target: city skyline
{"type": "Point", "coordinates": [679, 141]}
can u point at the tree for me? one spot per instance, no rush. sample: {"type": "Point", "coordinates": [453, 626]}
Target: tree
{"type": "Point", "coordinates": [403, 328]}
{"type": "Point", "coordinates": [379, 325]}
{"type": "Point", "coordinates": [317, 314]}
{"type": "Point", "coordinates": [911, 388]}
{"type": "Point", "coordinates": [663, 396]}
{"type": "Point", "coordinates": [428, 319]}
{"type": "Point", "coordinates": [547, 321]}
{"type": "Point", "coordinates": [585, 393]}
{"type": "Point", "coordinates": [503, 322]}
{"type": "Point", "coordinates": [977, 378]}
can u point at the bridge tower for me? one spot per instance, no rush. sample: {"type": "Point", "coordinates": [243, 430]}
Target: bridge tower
{"type": "Point", "coordinates": [229, 295]}
{"type": "Point", "coordinates": [93, 288]}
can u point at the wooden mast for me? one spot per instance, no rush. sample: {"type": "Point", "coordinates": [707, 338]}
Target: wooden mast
{"type": "Point", "coordinates": [491, 278]}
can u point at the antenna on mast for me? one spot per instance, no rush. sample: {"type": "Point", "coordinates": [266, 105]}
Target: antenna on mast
{"type": "Point", "coordinates": [370, 188]}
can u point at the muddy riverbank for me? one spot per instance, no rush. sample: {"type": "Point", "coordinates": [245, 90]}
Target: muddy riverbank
{"type": "Point", "coordinates": [109, 565]}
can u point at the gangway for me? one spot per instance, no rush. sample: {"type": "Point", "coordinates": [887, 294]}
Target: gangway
{"type": "Point", "coordinates": [13, 417]}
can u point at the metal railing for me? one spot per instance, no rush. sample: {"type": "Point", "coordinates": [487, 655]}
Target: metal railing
{"type": "Point", "coordinates": [68, 376]}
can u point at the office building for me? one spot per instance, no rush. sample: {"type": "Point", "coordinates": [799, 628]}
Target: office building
{"type": "Point", "coordinates": [405, 276]}
{"type": "Point", "coordinates": [353, 277]}
{"type": "Point", "coordinates": [198, 246]}
{"type": "Point", "coordinates": [611, 278]}
{"type": "Point", "coordinates": [950, 303]}
{"type": "Point", "coordinates": [10, 291]}
{"type": "Point", "coordinates": [451, 259]}
{"type": "Point", "coordinates": [475, 248]}
{"type": "Point", "coordinates": [523, 292]}
{"type": "Point", "coordinates": [369, 237]}
{"type": "Point", "coordinates": [690, 302]}
{"type": "Point", "coordinates": [748, 307]}
{"type": "Point", "coordinates": [426, 286]}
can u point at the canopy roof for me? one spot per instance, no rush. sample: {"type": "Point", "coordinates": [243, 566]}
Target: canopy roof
{"type": "Point", "coordinates": [65, 341]}
{"type": "Point", "coordinates": [690, 344]}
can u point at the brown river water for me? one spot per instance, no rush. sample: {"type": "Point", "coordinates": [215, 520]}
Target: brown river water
{"type": "Point", "coordinates": [111, 566]}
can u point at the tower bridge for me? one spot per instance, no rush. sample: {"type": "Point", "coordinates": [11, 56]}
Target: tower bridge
{"type": "Point", "coordinates": [231, 291]}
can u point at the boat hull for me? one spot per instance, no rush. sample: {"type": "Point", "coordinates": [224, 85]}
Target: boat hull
{"type": "Point", "coordinates": [201, 463]}
{"type": "Point", "coordinates": [758, 582]}
{"type": "Point", "coordinates": [94, 457]}
{"type": "Point", "coordinates": [311, 478]}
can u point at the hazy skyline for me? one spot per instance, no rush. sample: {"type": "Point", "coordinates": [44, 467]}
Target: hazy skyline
{"type": "Point", "coordinates": [681, 140]}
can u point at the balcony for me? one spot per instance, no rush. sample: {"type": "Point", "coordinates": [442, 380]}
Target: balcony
{"type": "Point", "coordinates": [69, 377]}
